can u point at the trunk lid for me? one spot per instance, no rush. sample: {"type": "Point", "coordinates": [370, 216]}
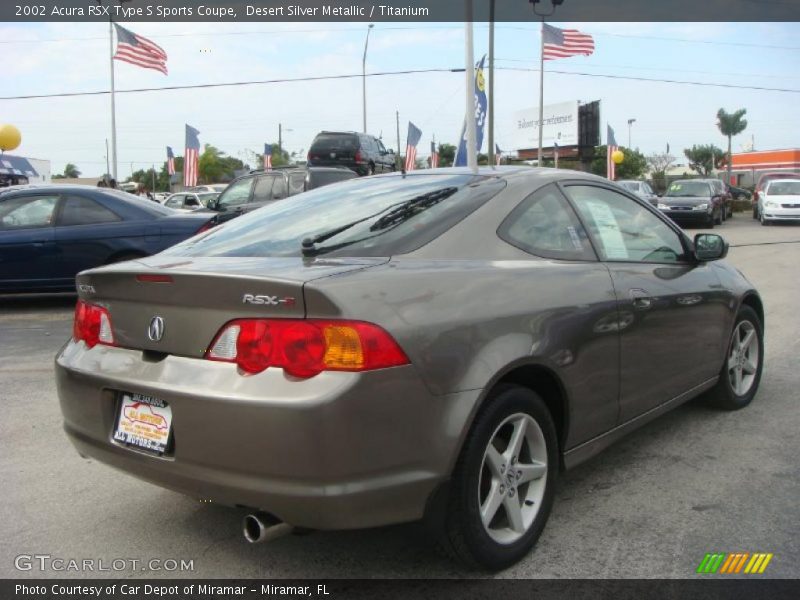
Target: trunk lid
{"type": "Point", "coordinates": [201, 295]}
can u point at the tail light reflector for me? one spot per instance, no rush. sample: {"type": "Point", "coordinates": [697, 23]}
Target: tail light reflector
{"type": "Point", "coordinates": [305, 347]}
{"type": "Point", "coordinates": [92, 325]}
{"type": "Point", "coordinates": [358, 157]}
{"type": "Point", "coordinates": [210, 224]}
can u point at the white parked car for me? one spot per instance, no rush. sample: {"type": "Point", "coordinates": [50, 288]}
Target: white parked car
{"type": "Point", "coordinates": [189, 201]}
{"type": "Point", "coordinates": [780, 201]}
{"type": "Point", "coordinates": [640, 188]}
{"type": "Point", "coordinates": [214, 187]}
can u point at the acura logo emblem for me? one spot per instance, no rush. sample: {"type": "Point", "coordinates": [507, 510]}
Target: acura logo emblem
{"type": "Point", "coordinates": [156, 330]}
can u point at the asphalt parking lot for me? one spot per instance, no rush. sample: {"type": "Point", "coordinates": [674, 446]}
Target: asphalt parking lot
{"type": "Point", "coordinates": [694, 481]}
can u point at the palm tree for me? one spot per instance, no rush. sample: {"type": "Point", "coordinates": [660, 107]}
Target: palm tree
{"type": "Point", "coordinates": [71, 171]}
{"type": "Point", "coordinates": [731, 124]}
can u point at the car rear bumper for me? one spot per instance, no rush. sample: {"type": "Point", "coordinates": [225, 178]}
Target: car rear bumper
{"type": "Point", "coordinates": [337, 451]}
{"type": "Point", "coordinates": [360, 168]}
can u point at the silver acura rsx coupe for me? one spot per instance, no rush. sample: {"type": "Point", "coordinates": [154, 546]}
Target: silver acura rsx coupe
{"type": "Point", "coordinates": [437, 345]}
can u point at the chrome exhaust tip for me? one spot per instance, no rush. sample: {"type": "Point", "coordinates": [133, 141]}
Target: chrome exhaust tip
{"type": "Point", "coordinates": [262, 527]}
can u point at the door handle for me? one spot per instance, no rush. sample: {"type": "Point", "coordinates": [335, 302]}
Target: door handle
{"type": "Point", "coordinates": [641, 299]}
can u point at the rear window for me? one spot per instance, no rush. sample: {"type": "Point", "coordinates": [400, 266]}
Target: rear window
{"type": "Point", "coordinates": [334, 141]}
{"type": "Point", "coordinates": [380, 216]}
{"type": "Point", "coordinates": [631, 186]}
{"type": "Point", "coordinates": [783, 188]}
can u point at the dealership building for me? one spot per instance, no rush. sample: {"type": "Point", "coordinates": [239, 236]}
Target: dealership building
{"type": "Point", "coordinates": [747, 166]}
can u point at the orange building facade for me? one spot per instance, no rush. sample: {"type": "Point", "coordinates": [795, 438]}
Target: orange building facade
{"type": "Point", "coordinates": [747, 166]}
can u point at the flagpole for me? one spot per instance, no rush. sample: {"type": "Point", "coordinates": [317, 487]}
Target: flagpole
{"type": "Point", "coordinates": [469, 58]}
{"type": "Point", "coordinates": [113, 104]}
{"type": "Point", "coordinates": [541, 95]}
{"type": "Point", "coordinates": [490, 149]}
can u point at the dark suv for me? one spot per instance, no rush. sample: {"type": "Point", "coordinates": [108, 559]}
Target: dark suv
{"type": "Point", "coordinates": [364, 154]}
{"type": "Point", "coordinates": [260, 187]}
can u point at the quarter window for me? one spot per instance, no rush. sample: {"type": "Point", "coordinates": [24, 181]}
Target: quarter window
{"type": "Point", "coordinates": [623, 229]}
{"type": "Point", "coordinates": [545, 225]}
{"type": "Point", "coordinates": [297, 183]}
{"type": "Point", "coordinates": [27, 212]}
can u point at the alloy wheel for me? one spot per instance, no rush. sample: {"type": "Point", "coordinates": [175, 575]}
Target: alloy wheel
{"type": "Point", "coordinates": [513, 478]}
{"type": "Point", "coordinates": [743, 358]}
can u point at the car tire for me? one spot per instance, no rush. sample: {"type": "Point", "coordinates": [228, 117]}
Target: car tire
{"type": "Point", "coordinates": [719, 219]}
{"type": "Point", "coordinates": [480, 480]}
{"type": "Point", "coordinates": [710, 222]}
{"type": "Point", "coordinates": [744, 361]}
{"type": "Point", "coordinates": [371, 169]}
{"type": "Point", "coordinates": [755, 212]}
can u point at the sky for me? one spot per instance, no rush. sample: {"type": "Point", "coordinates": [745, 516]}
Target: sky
{"type": "Point", "coordinates": [50, 58]}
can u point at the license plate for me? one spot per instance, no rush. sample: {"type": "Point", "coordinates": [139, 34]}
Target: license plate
{"type": "Point", "coordinates": [144, 422]}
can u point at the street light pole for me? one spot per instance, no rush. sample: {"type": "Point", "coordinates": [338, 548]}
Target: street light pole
{"type": "Point", "coordinates": [630, 124]}
{"type": "Point", "coordinates": [364, 76]}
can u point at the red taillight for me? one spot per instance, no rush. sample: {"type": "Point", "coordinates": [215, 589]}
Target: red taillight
{"type": "Point", "coordinates": [92, 325]}
{"type": "Point", "coordinates": [206, 226]}
{"type": "Point", "coordinates": [358, 156]}
{"type": "Point", "coordinates": [304, 348]}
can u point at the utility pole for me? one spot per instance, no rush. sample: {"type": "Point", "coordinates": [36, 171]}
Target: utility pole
{"type": "Point", "coordinates": [280, 139]}
{"type": "Point", "coordinates": [630, 124]}
{"type": "Point", "coordinates": [397, 156]}
{"type": "Point", "coordinates": [364, 78]}
{"type": "Point", "coordinates": [108, 167]}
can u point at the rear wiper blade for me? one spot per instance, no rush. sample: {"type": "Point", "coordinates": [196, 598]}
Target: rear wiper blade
{"type": "Point", "coordinates": [397, 213]}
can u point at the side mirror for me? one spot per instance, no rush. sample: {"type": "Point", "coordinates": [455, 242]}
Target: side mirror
{"type": "Point", "coordinates": [709, 246]}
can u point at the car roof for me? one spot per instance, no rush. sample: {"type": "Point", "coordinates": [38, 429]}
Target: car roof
{"type": "Point", "coordinates": [786, 179]}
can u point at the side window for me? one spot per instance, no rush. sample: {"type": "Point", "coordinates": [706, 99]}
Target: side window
{"type": "Point", "coordinates": [279, 191]}
{"type": "Point", "coordinates": [624, 230]}
{"type": "Point", "coordinates": [27, 212]}
{"type": "Point", "coordinates": [297, 183]}
{"type": "Point", "coordinates": [175, 201]}
{"type": "Point", "coordinates": [192, 201]}
{"type": "Point", "coordinates": [545, 225]}
{"type": "Point", "coordinates": [78, 210]}
{"type": "Point", "coordinates": [263, 189]}
{"type": "Point", "coordinates": [381, 147]}
{"type": "Point", "coordinates": [237, 193]}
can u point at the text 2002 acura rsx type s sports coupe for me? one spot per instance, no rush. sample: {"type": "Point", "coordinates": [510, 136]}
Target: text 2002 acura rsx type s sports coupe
{"type": "Point", "coordinates": [437, 344]}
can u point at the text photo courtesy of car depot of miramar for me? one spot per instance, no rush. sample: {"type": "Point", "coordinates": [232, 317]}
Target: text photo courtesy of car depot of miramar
{"type": "Point", "coordinates": [323, 327]}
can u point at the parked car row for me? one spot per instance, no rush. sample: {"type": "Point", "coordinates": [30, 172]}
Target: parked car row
{"type": "Point", "coordinates": [763, 181]}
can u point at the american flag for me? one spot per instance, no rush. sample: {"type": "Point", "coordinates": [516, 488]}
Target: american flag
{"type": "Point", "coordinates": [191, 159]}
{"type": "Point", "coordinates": [434, 156]}
{"type": "Point", "coordinates": [412, 139]}
{"type": "Point", "coordinates": [267, 157]}
{"type": "Point", "coordinates": [498, 155]}
{"type": "Point", "coordinates": [170, 161]}
{"type": "Point", "coordinates": [562, 43]}
{"type": "Point", "coordinates": [139, 51]}
{"type": "Point", "coordinates": [611, 144]}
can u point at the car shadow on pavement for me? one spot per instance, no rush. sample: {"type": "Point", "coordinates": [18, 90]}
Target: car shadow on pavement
{"type": "Point", "coordinates": [36, 303]}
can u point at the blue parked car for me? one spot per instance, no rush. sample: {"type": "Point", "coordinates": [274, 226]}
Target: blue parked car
{"type": "Point", "coordinates": [50, 233]}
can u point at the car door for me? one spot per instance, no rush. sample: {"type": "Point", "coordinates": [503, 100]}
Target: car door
{"type": "Point", "coordinates": [674, 309]}
{"type": "Point", "coordinates": [27, 248]}
{"type": "Point", "coordinates": [387, 160]}
{"type": "Point", "coordinates": [231, 202]}
{"type": "Point", "coordinates": [577, 315]}
{"type": "Point", "coordinates": [88, 234]}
